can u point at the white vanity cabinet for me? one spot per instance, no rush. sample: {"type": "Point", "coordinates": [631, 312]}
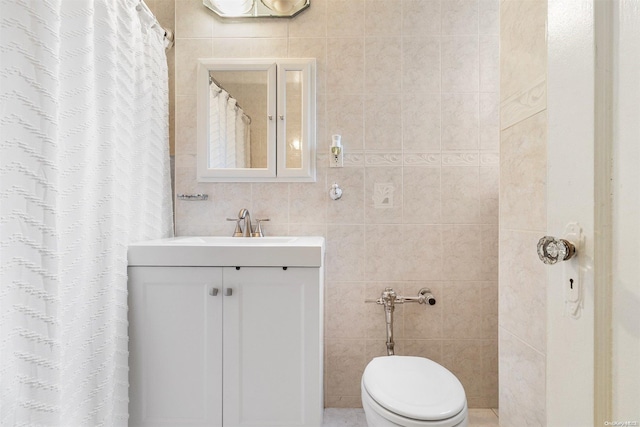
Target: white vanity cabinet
{"type": "Point", "coordinates": [271, 347]}
{"type": "Point", "coordinates": [225, 346]}
{"type": "Point", "coordinates": [175, 346]}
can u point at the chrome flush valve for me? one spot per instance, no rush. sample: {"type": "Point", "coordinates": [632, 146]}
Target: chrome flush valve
{"type": "Point", "coordinates": [389, 299]}
{"type": "Point", "coordinates": [424, 297]}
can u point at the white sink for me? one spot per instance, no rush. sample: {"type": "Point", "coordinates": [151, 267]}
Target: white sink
{"type": "Point", "coordinates": [219, 251]}
{"type": "Point", "coordinates": [229, 241]}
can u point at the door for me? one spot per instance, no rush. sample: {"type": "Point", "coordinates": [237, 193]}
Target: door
{"type": "Point", "coordinates": [577, 177]}
{"type": "Point", "coordinates": [625, 218]}
{"type": "Point", "coordinates": [175, 346]}
{"type": "Point", "coordinates": [272, 347]}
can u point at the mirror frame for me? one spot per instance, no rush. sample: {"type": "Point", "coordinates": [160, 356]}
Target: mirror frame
{"type": "Point", "coordinates": [276, 142]}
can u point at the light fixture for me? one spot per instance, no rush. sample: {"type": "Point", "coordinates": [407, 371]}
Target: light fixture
{"type": "Point", "coordinates": [283, 6]}
{"type": "Point", "coordinates": [256, 8]}
{"type": "Point", "coordinates": [230, 7]}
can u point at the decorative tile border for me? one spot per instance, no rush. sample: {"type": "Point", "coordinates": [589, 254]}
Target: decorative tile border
{"type": "Point", "coordinates": [354, 159]}
{"type": "Point", "coordinates": [383, 159]}
{"type": "Point", "coordinates": [460, 159]}
{"type": "Point", "coordinates": [489, 159]}
{"type": "Point", "coordinates": [433, 159]}
{"type": "Point", "coordinates": [422, 159]}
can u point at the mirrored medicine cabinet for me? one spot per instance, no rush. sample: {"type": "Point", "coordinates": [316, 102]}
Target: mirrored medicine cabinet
{"type": "Point", "coordinates": [256, 120]}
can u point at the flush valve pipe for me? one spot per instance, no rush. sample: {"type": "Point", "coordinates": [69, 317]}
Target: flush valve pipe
{"type": "Point", "coordinates": [389, 299]}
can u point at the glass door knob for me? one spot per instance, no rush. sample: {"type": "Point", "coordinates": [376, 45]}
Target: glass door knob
{"type": "Point", "coordinates": [552, 250]}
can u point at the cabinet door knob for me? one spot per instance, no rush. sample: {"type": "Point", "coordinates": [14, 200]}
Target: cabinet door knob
{"type": "Point", "coordinates": [213, 292]}
{"type": "Point", "coordinates": [228, 292]}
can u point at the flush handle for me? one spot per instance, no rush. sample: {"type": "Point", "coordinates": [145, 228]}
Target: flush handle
{"type": "Point", "coordinates": [228, 292]}
{"type": "Point", "coordinates": [552, 250]}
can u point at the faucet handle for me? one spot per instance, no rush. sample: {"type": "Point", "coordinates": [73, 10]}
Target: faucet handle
{"type": "Point", "coordinates": [258, 229]}
{"type": "Point", "coordinates": [238, 231]}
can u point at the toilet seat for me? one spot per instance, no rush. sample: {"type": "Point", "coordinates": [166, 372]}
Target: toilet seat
{"type": "Point", "coordinates": [414, 388]}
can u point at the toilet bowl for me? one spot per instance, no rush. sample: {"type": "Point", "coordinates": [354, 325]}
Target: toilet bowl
{"type": "Point", "coordinates": [412, 392]}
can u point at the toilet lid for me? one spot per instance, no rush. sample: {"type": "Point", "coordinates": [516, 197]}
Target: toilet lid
{"type": "Point", "coordinates": [414, 387]}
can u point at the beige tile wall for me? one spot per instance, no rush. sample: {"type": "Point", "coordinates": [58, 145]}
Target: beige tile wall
{"type": "Point", "coordinates": [412, 87]}
{"type": "Point", "coordinates": [523, 207]}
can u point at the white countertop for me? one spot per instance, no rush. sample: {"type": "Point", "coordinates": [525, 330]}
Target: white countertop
{"type": "Point", "coordinates": [219, 251]}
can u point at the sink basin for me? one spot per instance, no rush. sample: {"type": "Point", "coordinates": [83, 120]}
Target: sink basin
{"type": "Point", "coordinates": [230, 241]}
{"type": "Point", "coordinates": [220, 251]}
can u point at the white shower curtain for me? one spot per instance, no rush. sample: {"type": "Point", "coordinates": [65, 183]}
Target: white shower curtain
{"type": "Point", "coordinates": [229, 131]}
{"type": "Point", "coordinates": [84, 171]}
{"type": "Point", "coordinates": [231, 142]}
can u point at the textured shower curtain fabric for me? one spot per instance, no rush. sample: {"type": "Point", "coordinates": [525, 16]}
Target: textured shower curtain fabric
{"type": "Point", "coordinates": [229, 131]}
{"type": "Point", "coordinates": [230, 137]}
{"type": "Point", "coordinates": [84, 171]}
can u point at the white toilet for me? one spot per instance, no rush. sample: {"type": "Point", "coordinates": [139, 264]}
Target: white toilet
{"type": "Point", "coordinates": [412, 392]}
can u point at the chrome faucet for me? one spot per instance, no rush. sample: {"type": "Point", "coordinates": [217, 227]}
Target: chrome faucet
{"type": "Point", "coordinates": [247, 231]}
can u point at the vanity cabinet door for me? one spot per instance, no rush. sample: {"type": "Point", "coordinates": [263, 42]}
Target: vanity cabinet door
{"type": "Point", "coordinates": [272, 347]}
{"type": "Point", "coordinates": [175, 346]}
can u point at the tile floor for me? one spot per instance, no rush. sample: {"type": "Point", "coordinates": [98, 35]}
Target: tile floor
{"type": "Point", "coordinates": [350, 417]}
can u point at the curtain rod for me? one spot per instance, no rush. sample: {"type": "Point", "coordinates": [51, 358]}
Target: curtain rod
{"type": "Point", "coordinates": [168, 34]}
{"type": "Point", "coordinates": [169, 37]}
{"type": "Point", "coordinates": [213, 81]}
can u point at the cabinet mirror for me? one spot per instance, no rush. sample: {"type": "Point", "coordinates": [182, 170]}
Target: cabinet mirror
{"type": "Point", "coordinates": [256, 120]}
